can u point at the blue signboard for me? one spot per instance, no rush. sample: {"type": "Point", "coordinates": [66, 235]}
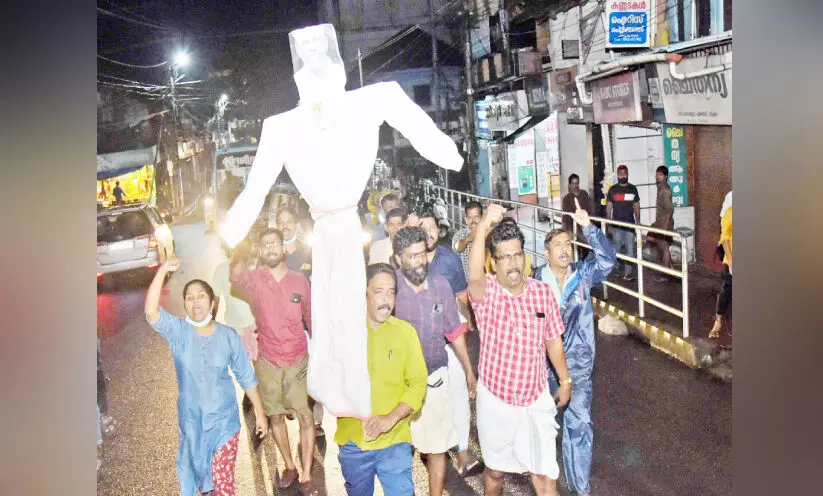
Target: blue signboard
{"type": "Point", "coordinates": [628, 24]}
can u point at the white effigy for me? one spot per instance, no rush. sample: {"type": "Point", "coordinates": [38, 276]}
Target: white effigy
{"type": "Point", "coordinates": [328, 144]}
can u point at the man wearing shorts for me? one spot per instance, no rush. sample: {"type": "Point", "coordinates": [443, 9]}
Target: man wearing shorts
{"type": "Point", "coordinates": [280, 300]}
{"type": "Point", "coordinates": [427, 302]}
{"type": "Point", "coordinates": [519, 323]}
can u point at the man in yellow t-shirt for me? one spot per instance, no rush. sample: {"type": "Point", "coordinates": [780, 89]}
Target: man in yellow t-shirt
{"type": "Point", "coordinates": [381, 444]}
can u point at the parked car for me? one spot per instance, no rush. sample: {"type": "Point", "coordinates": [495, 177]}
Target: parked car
{"type": "Point", "coordinates": [131, 237]}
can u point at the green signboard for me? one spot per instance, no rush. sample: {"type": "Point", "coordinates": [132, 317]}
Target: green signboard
{"type": "Point", "coordinates": [525, 180]}
{"type": "Point", "coordinates": [674, 157]}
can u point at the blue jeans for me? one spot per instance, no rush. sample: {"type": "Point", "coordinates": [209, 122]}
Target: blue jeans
{"type": "Point", "coordinates": [623, 242]}
{"type": "Point", "coordinates": [392, 465]}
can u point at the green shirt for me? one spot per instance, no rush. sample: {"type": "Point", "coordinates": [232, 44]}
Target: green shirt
{"type": "Point", "coordinates": [398, 374]}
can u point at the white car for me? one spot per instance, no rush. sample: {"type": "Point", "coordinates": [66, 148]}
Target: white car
{"type": "Point", "coordinates": [131, 237]}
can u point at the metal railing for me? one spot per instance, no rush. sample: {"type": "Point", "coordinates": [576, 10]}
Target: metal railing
{"type": "Point", "coordinates": [455, 200]}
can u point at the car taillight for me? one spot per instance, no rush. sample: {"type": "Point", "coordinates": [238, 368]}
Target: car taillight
{"type": "Point", "coordinates": [152, 240]}
{"type": "Point", "coordinates": [99, 275]}
{"type": "Point", "coordinates": [154, 265]}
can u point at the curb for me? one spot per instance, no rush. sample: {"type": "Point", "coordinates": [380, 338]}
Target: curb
{"type": "Point", "coordinates": [692, 352]}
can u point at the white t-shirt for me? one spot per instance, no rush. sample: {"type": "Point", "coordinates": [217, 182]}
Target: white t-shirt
{"type": "Point", "coordinates": [232, 311]}
{"type": "Point", "coordinates": [381, 251]}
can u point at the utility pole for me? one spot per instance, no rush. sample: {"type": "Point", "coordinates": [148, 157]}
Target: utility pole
{"type": "Point", "coordinates": [173, 75]}
{"type": "Point", "coordinates": [436, 84]}
{"type": "Point", "coordinates": [360, 65]}
{"type": "Point", "coordinates": [470, 110]}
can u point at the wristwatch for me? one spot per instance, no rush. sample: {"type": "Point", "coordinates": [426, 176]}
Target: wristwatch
{"type": "Point", "coordinates": [566, 381]}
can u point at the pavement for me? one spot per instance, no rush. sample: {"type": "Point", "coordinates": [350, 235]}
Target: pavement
{"type": "Point", "coordinates": [660, 428]}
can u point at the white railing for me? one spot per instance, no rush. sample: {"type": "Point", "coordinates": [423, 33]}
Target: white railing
{"type": "Point", "coordinates": [455, 200]}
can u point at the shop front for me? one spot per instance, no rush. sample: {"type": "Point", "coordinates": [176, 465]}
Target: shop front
{"type": "Point", "coordinates": [134, 170]}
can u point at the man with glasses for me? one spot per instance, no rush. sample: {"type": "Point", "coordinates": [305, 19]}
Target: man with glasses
{"type": "Point", "coordinates": [280, 300]}
{"type": "Point", "coordinates": [426, 301]}
{"type": "Point", "coordinates": [519, 323]}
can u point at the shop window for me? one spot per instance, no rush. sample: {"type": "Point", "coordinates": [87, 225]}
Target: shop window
{"type": "Point", "coordinates": [423, 95]}
{"type": "Point", "coordinates": [703, 19]}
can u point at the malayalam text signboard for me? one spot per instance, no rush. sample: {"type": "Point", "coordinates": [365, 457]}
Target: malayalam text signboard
{"type": "Point", "coordinates": [628, 23]}
{"type": "Point", "coordinates": [674, 150]}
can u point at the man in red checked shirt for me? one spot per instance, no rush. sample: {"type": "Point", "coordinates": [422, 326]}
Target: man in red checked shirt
{"type": "Point", "coordinates": [519, 322]}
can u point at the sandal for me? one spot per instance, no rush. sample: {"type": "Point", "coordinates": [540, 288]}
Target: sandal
{"type": "Point", "coordinates": [287, 478]}
{"type": "Point", "coordinates": [465, 471]}
{"type": "Point", "coordinates": [307, 488]}
{"type": "Point", "coordinates": [714, 334]}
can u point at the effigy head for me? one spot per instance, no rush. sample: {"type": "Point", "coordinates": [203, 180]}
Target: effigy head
{"type": "Point", "coordinates": [318, 67]}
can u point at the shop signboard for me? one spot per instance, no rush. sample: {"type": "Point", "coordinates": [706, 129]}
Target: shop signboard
{"type": "Point", "coordinates": [617, 99]}
{"type": "Point", "coordinates": [674, 150]}
{"type": "Point", "coordinates": [502, 112]}
{"type": "Point", "coordinates": [628, 23]}
{"type": "Point", "coordinates": [562, 89]}
{"type": "Point", "coordinates": [705, 99]}
{"type": "Point", "coordinates": [524, 161]}
{"type": "Point", "coordinates": [482, 128]}
{"type": "Point", "coordinates": [537, 95]}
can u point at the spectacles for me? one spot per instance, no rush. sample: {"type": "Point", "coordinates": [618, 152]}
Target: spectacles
{"type": "Point", "coordinates": [509, 257]}
{"type": "Point", "coordinates": [271, 244]}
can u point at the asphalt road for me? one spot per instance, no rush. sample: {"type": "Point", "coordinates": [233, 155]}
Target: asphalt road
{"type": "Point", "coordinates": [660, 428]}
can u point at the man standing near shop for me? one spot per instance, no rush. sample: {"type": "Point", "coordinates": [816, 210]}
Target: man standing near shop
{"type": "Point", "coordinates": [519, 323]}
{"type": "Point", "coordinates": [118, 193]}
{"type": "Point", "coordinates": [381, 444]}
{"type": "Point", "coordinates": [623, 204]}
{"type": "Point", "coordinates": [280, 300]}
{"type": "Point", "coordinates": [425, 300]}
{"type": "Point", "coordinates": [663, 218]}
{"type": "Point", "coordinates": [571, 283]}
{"type": "Point", "coordinates": [568, 202]}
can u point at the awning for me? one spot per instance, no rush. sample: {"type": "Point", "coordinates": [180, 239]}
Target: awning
{"type": "Point", "coordinates": [533, 121]}
{"type": "Point", "coordinates": [119, 163]}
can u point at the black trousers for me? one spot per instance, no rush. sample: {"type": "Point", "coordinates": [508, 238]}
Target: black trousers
{"type": "Point", "coordinates": [724, 299]}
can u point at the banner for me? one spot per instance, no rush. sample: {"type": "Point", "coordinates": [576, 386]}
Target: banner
{"type": "Point", "coordinates": [628, 24]}
{"type": "Point", "coordinates": [674, 157]}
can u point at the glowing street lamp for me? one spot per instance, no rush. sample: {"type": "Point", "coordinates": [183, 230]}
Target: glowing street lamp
{"type": "Point", "coordinates": [181, 59]}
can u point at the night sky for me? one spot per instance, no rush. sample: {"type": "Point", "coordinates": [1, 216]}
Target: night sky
{"type": "Point", "coordinates": [219, 35]}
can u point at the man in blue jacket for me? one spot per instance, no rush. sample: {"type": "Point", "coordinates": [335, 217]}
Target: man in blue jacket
{"type": "Point", "coordinates": [571, 283]}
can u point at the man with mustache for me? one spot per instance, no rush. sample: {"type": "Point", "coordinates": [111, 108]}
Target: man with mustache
{"type": "Point", "coordinates": [427, 302]}
{"type": "Point", "coordinates": [519, 323]}
{"type": "Point", "coordinates": [280, 300]}
{"type": "Point", "coordinates": [571, 283]}
{"type": "Point", "coordinates": [623, 204]}
{"type": "Point", "coordinates": [380, 445]}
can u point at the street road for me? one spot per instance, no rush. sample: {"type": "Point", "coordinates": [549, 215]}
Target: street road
{"type": "Point", "coordinates": [660, 428]}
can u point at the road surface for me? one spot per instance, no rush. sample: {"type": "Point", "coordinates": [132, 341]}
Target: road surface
{"type": "Point", "coordinates": [660, 428]}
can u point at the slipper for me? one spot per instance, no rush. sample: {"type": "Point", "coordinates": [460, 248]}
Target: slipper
{"type": "Point", "coordinates": [307, 489]}
{"type": "Point", "coordinates": [714, 334]}
{"type": "Point", "coordinates": [465, 471]}
{"type": "Point", "coordinates": [287, 478]}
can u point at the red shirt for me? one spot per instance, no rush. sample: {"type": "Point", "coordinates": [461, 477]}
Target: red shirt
{"type": "Point", "coordinates": [513, 335]}
{"type": "Point", "coordinates": [280, 309]}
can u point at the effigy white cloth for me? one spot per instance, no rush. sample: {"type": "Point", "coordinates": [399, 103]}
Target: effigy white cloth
{"type": "Point", "coordinates": [328, 145]}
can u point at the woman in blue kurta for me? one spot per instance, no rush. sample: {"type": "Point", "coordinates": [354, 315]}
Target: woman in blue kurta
{"type": "Point", "coordinates": [571, 284]}
{"type": "Point", "coordinates": [207, 410]}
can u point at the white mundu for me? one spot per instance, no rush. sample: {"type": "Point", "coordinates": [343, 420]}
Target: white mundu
{"type": "Point", "coordinates": [328, 145]}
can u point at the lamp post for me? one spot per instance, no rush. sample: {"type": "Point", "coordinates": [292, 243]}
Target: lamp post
{"type": "Point", "coordinates": [179, 61]}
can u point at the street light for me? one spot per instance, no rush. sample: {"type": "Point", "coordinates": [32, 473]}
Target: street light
{"type": "Point", "coordinates": [181, 59]}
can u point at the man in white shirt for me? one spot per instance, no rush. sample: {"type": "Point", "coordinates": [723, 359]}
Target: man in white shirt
{"type": "Point", "coordinates": [381, 250]}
